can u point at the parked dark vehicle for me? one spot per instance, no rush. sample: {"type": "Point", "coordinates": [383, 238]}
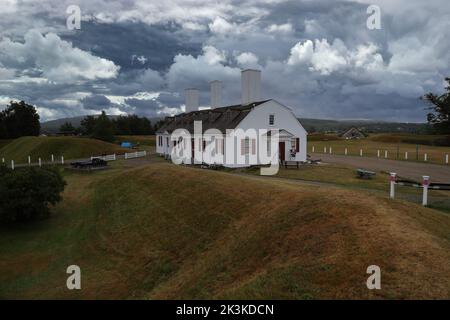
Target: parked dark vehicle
{"type": "Point", "coordinates": [94, 163]}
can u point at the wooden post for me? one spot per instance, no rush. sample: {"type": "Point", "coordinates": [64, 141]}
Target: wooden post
{"type": "Point", "coordinates": [425, 184]}
{"type": "Point", "coordinates": [392, 184]}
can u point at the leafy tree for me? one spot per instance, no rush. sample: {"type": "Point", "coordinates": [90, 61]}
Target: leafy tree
{"type": "Point", "coordinates": [103, 128]}
{"type": "Point", "coordinates": [87, 125]}
{"type": "Point", "coordinates": [67, 128]}
{"type": "Point", "coordinates": [439, 118]}
{"type": "Point", "coordinates": [19, 119]}
{"type": "Point", "coordinates": [27, 193]}
{"type": "Point", "coordinates": [132, 125]}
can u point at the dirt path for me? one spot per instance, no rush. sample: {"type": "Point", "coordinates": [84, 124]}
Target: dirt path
{"type": "Point", "coordinates": [410, 170]}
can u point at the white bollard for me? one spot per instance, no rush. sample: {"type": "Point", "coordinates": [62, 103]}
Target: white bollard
{"type": "Point", "coordinates": [62, 159]}
{"type": "Point", "coordinates": [446, 158]}
{"type": "Point", "coordinates": [378, 153]}
{"type": "Point", "coordinates": [53, 158]}
{"type": "Point", "coordinates": [114, 157]}
{"type": "Point", "coordinates": [330, 149]}
{"type": "Point", "coordinates": [29, 160]}
{"type": "Point", "coordinates": [360, 152]}
{"type": "Point", "coordinates": [126, 156]}
{"type": "Point", "coordinates": [12, 164]}
{"type": "Point", "coordinates": [324, 149]}
{"type": "Point", "coordinates": [385, 154]}
{"type": "Point", "coordinates": [313, 149]}
{"type": "Point", "coordinates": [145, 153]}
{"type": "Point", "coordinates": [3, 160]}
{"type": "Point", "coordinates": [425, 157]}
{"type": "Point", "coordinates": [406, 155]}
{"type": "Point", "coordinates": [425, 184]}
{"type": "Point", "coordinates": [392, 183]}
{"type": "Point", "coordinates": [345, 151]}
{"type": "Point", "coordinates": [40, 162]}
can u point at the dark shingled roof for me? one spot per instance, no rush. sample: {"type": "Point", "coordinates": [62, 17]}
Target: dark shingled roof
{"type": "Point", "coordinates": [219, 118]}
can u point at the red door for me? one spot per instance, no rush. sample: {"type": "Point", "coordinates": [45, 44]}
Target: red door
{"type": "Point", "coordinates": [281, 150]}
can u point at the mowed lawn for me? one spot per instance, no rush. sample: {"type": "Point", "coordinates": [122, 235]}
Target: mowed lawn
{"type": "Point", "coordinates": [43, 147]}
{"type": "Point", "coordinates": [393, 144]}
{"type": "Point", "coordinates": [161, 231]}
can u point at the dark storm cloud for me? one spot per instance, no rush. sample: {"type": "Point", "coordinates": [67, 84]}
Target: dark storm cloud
{"type": "Point", "coordinates": [138, 56]}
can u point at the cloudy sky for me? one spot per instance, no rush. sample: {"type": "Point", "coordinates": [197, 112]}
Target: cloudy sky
{"type": "Point", "coordinates": [138, 56]}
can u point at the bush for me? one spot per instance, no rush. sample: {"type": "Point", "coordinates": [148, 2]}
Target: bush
{"type": "Point", "coordinates": [27, 193]}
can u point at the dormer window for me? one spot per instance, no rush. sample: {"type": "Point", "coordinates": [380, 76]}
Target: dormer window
{"type": "Point", "coordinates": [271, 119]}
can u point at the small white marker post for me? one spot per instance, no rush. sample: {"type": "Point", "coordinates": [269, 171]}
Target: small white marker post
{"type": "Point", "coordinates": [53, 159]}
{"type": "Point", "coordinates": [40, 162]}
{"type": "Point", "coordinates": [345, 151]}
{"type": "Point", "coordinates": [62, 159]}
{"type": "Point", "coordinates": [406, 155]}
{"type": "Point", "coordinates": [313, 149]}
{"type": "Point", "coordinates": [330, 150]}
{"type": "Point", "coordinates": [324, 149]}
{"type": "Point", "coordinates": [446, 158]}
{"type": "Point", "coordinates": [12, 164]}
{"type": "Point", "coordinates": [425, 157]}
{"type": "Point", "coordinates": [378, 153]}
{"type": "Point", "coordinates": [425, 184]}
{"type": "Point", "coordinates": [3, 160]}
{"type": "Point", "coordinates": [385, 154]}
{"type": "Point", "coordinates": [360, 152]}
{"type": "Point", "coordinates": [392, 183]}
{"type": "Point", "coordinates": [29, 160]}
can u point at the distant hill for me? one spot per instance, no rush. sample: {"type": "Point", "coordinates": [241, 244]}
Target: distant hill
{"type": "Point", "coordinates": [368, 126]}
{"type": "Point", "coordinates": [53, 126]}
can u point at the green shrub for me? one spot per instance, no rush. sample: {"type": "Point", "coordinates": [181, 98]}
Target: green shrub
{"type": "Point", "coordinates": [27, 193]}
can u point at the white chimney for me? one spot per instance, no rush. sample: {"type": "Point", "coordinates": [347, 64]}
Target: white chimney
{"type": "Point", "coordinates": [251, 86]}
{"type": "Point", "coordinates": [216, 93]}
{"type": "Point", "coordinates": [192, 99]}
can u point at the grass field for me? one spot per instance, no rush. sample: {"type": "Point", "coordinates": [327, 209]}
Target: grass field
{"type": "Point", "coordinates": [141, 140]}
{"type": "Point", "coordinates": [162, 231]}
{"type": "Point", "coordinates": [43, 147]}
{"type": "Point", "coordinates": [395, 146]}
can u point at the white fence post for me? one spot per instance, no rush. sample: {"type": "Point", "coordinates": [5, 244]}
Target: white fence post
{"type": "Point", "coordinates": [3, 160]}
{"type": "Point", "coordinates": [126, 155]}
{"type": "Point", "coordinates": [62, 159]}
{"type": "Point", "coordinates": [331, 150]}
{"type": "Point", "coordinates": [12, 164]}
{"type": "Point", "coordinates": [29, 160]}
{"type": "Point", "coordinates": [392, 182]}
{"type": "Point", "coordinates": [40, 162]}
{"type": "Point", "coordinates": [53, 158]}
{"type": "Point", "coordinates": [114, 157]}
{"type": "Point", "coordinates": [360, 152]}
{"type": "Point", "coordinates": [313, 148]}
{"type": "Point", "coordinates": [406, 155]}
{"type": "Point", "coordinates": [446, 158]}
{"type": "Point", "coordinates": [426, 182]}
{"type": "Point", "coordinates": [385, 154]}
{"type": "Point", "coordinates": [378, 153]}
{"type": "Point", "coordinates": [425, 157]}
{"type": "Point", "coordinates": [324, 149]}
{"type": "Point", "coordinates": [345, 151]}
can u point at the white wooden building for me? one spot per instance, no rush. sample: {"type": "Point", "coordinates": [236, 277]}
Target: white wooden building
{"type": "Point", "coordinates": [252, 113]}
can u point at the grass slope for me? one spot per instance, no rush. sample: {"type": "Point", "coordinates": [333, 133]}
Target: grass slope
{"type": "Point", "coordinates": [162, 231]}
{"type": "Point", "coordinates": [43, 147]}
